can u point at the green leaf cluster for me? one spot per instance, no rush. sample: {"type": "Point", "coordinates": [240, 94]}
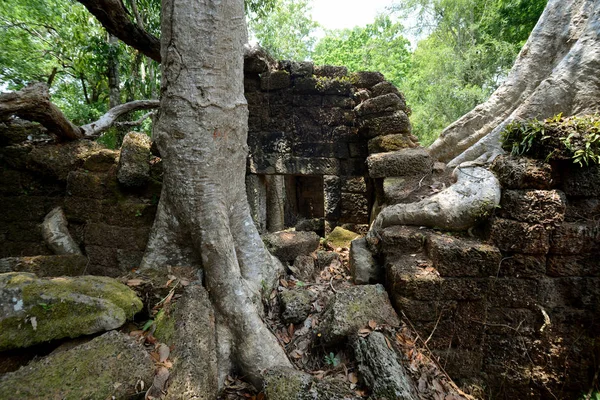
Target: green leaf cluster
{"type": "Point", "coordinates": [379, 46]}
{"type": "Point", "coordinates": [557, 138]}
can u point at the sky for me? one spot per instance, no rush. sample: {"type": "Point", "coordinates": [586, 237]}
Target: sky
{"type": "Point", "coordinates": [339, 14]}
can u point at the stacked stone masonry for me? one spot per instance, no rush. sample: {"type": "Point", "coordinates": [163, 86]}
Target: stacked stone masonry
{"type": "Point", "coordinates": [515, 310]}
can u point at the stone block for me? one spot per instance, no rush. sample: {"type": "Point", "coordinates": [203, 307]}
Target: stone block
{"type": "Point", "coordinates": [581, 181]}
{"type": "Point", "coordinates": [25, 208]}
{"type": "Point", "coordinates": [307, 100]}
{"type": "Point", "coordinates": [421, 310]}
{"type": "Point", "coordinates": [461, 363]}
{"type": "Point", "coordinates": [507, 321]}
{"type": "Point", "coordinates": [522, 173]}
{"type": "Point", "coordinates": [57, 161]}
{"type": "Point", "coordinates": [582, 208]}
{"type": "Point", "coordinates": [402, 189]}
{"type": "Point", "coordinates": [545, 207]}
{"type": "Point", "coordinates": [575, 238]}
{"type": "Point", "coordinates": [389, 124]}
{"type": "Point", "coordinates": [576, 292]}
{"type": "Point", "coordinates": [330, 71]}
{"type": "Point", "coordinates": [520, 266]}
{"type": "Point", "coordinates": [296, 305]}
{"type": "Point", "coordinates": [402, 239]}
{"type": "Point", "coordinates": [134, 167]}
{"type": "Point", "coordinates": [363, 266]}
{"type": "Point", "coordinates": [366, 79]}
{"type": "Point", "coordinates": [412, 277]}
{"type": "Point", "coordinates": [103, 261]}
{"type": "Point", "coordinates": [352, 309]}
{"type": "Point", "coordinates": [400, 163]}
{"type": "Point", "coordinates": [93, 185]}
{"type": "Point", "coordinates": [303, 268]}
{"type": "Point", "coordinates": [387, 103]}
{"type": "Point", "coordinates": [387, 143]}
{"type": "Point", "coordinates": [46, 266]}
{"type": "Point", "coordinates": [385, 87]}
{"type": "Point", "coordinates": [355, 208]}
{"type": "Point", "coordinates": [458, 257]}
{"type": "Point", "coordinates": [101, 160]}
{"type": "Point", "coordinates": [251, 85]}
{"type": "Point", "coordinates": [338, 101]}
{"type": "Point", "coordinates": [332, 190]}
{"type": "Point", "coordinates": [275, 80]}
{"type": "Point", "coordinates": [358, 150]}
{"type": "Point", "coordinates": [520, 237]}
{"type": "Point", "coordinates": [513, 292]}
{"type": "Point", "coordinates": [301, 68]}
{"type": "Point", "coordinates": [574, 265]}
{"type": "Point", "coordinates": [287, 245]}
{"type": "Point", "coordinates": [354, 184]}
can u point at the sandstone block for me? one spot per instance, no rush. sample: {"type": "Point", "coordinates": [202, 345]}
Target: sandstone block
{"type": "Point", "coordinates": [400, 163]}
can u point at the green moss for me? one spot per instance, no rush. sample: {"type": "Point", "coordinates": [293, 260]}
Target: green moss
{"type": "Point", "coordinates": [341, 237]}
{"type": "Point", "coordinates": [165, 326]}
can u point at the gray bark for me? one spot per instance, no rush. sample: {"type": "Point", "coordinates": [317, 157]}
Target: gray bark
{"type": "Point", "coordinates": [556, 71]}
{"type": "Point", "coordinates": [201, 133]}
{"type": "Point", "coordinates": [57, 235]}
{"type": "Point", "coordinates": [113, 73]}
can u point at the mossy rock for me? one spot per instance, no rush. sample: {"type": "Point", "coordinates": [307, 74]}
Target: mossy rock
{"type": "Point", "coordinates": [341, 237]}
{"type": "Point", "coordinates": [109, 366]}
{"type": "Point", "coordinates": [36, 310]}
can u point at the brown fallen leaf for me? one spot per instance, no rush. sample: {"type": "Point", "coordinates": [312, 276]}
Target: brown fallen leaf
{"type": "Point", "coordinates": [364, 332]}
{"type": "Point", "coordinates": [135, 282]}
{"type": "Point", "coordinates": [387, 341]}
{"type": "Point", "coordinates": [163, 352]}
{"type": "Point", "coordinates": [352, 378]}
{"type": "Point", "coordinates": [372, 324]}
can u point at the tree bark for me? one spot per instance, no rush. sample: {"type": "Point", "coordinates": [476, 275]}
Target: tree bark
{"type": "Point", "coordinates": [33, 103]}
{"type": "Point", "coordinates": [113, 15]}
{"type": "Point", "coordinates": [201, 133]}
{"type": "Point", "coordinates": [556, 71]}
{"type": "Point", "coordinates": [113, 72]}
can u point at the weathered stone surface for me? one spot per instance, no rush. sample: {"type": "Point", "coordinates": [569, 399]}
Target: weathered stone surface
{"type": "Point", "coordinates": [363, 266]}
{"type": "Point", "coordinates": [354, 184]}
{"type": "Point", "coordinates": [400, 163]}
{"type": "Point", "coordinates": [287, 245]}
{"type": "Point", "coordinates": [581, 181]}
{"type": "Point", "coordinates": [582, 208]}
{"type": "Point", "coordinates": [574, 265]}
{"type": "Point", "coordinates": [287, 384]}
{"type": "Point", "coordinates": [378, 125]}
{"type": "Point", "coordinates": [296, 304]}
{"type": "Point", "coordinates": [58, 160]}
{"type": "Point", "coordinates": [46, 266]}
{"type": "Point", "coordinates": [384, 88]}
{"type": "Point", "coordinates": [381, 369]}
{"type": "Point", "coordinates": [101, 161]}
{"type": "Point", "coordinates": [353, 308]}
{"type": "Point", "coordinates": [463, 257]}
{"type": "Point", "coordinates": [387, 143]}
{"type": "Point", "coordinates": [366, 79]}
{"type": "Point", "coordinates": [387, 103]}
{"type": "Point", "coordinates": [325, 258]}
{"type": "Point", "coordinates": [403, 239]}
{"type": "Point", "coordinates": [195, 373]}
{"type": "Point", "coordinates": [303, 267]}
{"type": "Point", "coordinates": [275, 80]}
{"type": "Point", "coordinates": [313, 224]}
{"type": "Point", "coordinates": [341, 237]}
{"type": "Point", "coordinates": [36, 310]}
{"type": "Point", "coordinates": [513, 293]}
{"type": "Point", "coordinates": [99, 234]}
{"type": "Point", "coordinates": [330, 71]}
{"type": "Point", "coordinates": [522, 173]}
{"type": "Point", "coordinates": [355, 208]}
{"type": "Point", "coordinates": [545, 207]}
{"type": "Point", "coordinates": [521, 266]}
{"type": "Point", "coordinates": [520, 237]}
{"type": "Point", "coordinates": [109, 366]}
{"type": "Point", "coordinates": [575, 238]}
{"type": "Point", "coordinates": [134, 166]}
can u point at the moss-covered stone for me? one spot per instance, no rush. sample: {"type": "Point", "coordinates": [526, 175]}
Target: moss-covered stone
{"type": "Point", "coordinates": [287, 384]}
{"type": "Point", "coordinates": [165, 325]}
{"type": "Point", "coordinates": [341, 237]}
{"type": "Point", "coordinates": [57, 265]}
{"type": "Point", "coordinates": [35, 310]}
{"type": "Point", "coordinates": [134, 162]}
{"type": "Point", "coordinates": [109, 366]}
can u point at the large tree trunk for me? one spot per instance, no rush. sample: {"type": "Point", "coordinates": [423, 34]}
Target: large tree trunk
{"type": "Point", "coordinates": [556, 71]}
{"type": "Point", "coordinates": [203, 212]}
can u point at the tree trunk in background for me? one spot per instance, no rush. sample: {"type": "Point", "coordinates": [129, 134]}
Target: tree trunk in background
{"type": "Point", "coordinates": [556, 71]}
{"type": "Point", "coordinates": [113, 72]}
{"type": "Point", "coordinates": [203, 212]}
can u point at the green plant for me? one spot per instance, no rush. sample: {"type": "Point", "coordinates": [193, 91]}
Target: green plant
{"type": "Point", "coordinates": [331, 359]}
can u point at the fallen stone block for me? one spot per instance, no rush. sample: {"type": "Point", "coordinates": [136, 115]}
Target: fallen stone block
{"type": "Point", "coordinates": [134, 165]}
{"type": "Point", "coordinates": [400, 163]}
{"type": "Point", "coordinates": [363, 266]}
{"type": "Point", "coordinates": [297, 304]}
{"type": "Point", "coordinates": [36, 310]}
{"type": "Point", "coordinates": [386, 103]}
{"type": "Point", "coordinates": [287, 245]}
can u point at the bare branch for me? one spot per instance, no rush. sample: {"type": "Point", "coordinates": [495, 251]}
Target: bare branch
{"type": "Point", "coordinates": [136, 122]}
{"type": "Point", "coordinates": [96, 128]}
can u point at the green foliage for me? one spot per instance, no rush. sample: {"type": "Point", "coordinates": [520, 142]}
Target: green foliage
{"type": "Point", "coordinates": [576, 138]}
{"type": "Point", "coordinates": [331, 359]}
{"type": "Point", "coordinates": [379, 46]}
{"type": "Point", "coordinates": [285, 31]}
{"type": "Point", "coordinates": [470, 48]}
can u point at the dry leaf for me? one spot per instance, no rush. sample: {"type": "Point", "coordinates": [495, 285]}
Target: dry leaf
{"type": "Point", "coordinates": [284, 283]}
{"type": "Point", "coordinates": [163, 352]}
{"type": "Point", "coordinates": [352, 378]}
{"type": "Point", "coordinates": [387, 341]}
{"type": "Point", "coordinates": [134, 282]}
{"type": "Point", "coordinates": [372, 324]}
{"type": "Point", "coordinates": [291, 330]}
{"type": "Point", "coordinates": [364, 332]}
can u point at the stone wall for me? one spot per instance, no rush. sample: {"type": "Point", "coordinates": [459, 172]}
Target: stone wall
{"type": "Point", "coordinates": [515, 310]}
{"type": "Point", "coordinates": [319, 121]}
